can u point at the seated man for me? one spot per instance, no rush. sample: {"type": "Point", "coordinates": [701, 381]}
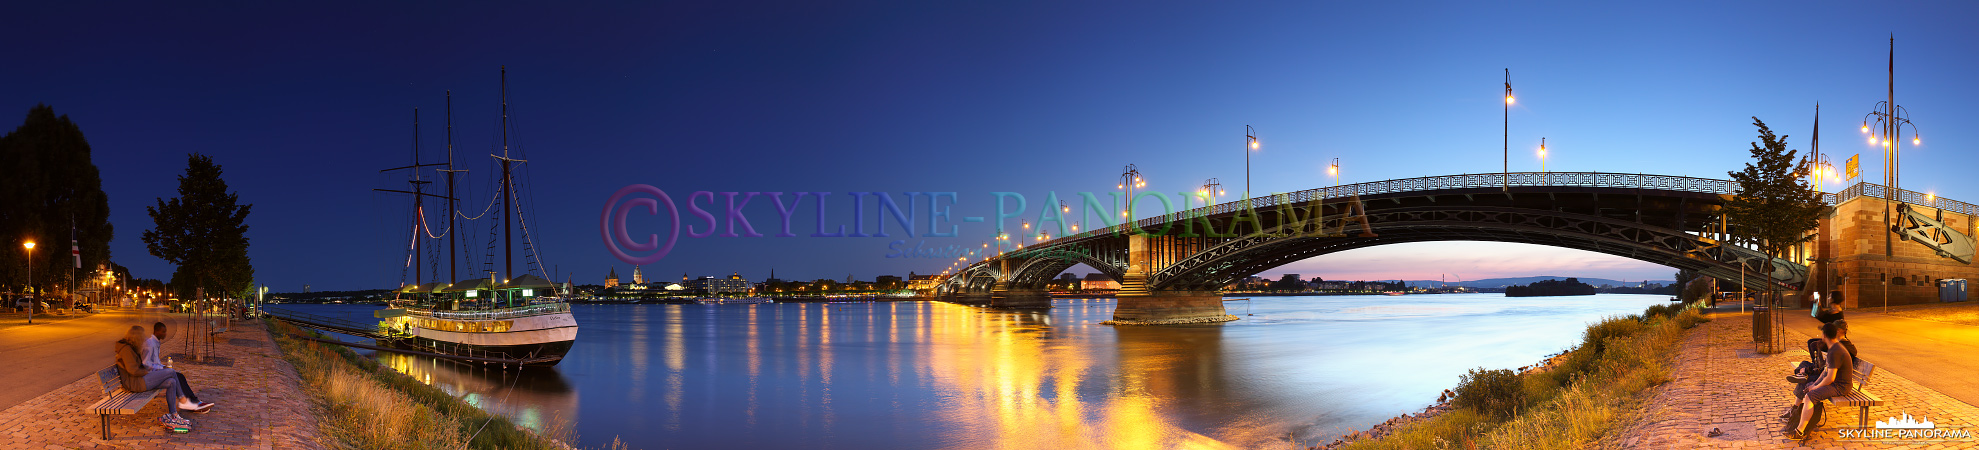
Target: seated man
{"type": "Point", "coordinates": [1835, 381]}
{"type": "Point", "coordinates": [1816, 355]}
{"type": "Point", "coordinates": [190, 401]}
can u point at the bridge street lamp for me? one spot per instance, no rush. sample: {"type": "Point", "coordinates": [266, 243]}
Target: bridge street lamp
{"type": "Point", "coordinates": [1250, 143]}
{"type": "Point", "coordinates": [1130, 178]}
{"type": "Point", "coordinates": [1890, 118]}
{"type": "Point", "coordinates": [1209, 191]}
{"type": "Point", "coordinates": [1542, 156]}
{"type": "Point", "coordinates": [1506, 177]}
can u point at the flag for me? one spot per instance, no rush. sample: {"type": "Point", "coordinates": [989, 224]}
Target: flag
{"type": "Point", "coordinates": [75, 248]}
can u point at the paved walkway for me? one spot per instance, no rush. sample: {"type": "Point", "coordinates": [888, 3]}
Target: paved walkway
{"type": "Point", "coordinates": [261, 403]}
{"type": "Point", "coordinates": [1720, 382]}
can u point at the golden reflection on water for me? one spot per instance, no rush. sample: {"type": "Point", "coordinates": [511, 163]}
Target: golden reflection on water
{"type": "Point", "coordinates": [676, 361]}
{"type": "Point", "coordinates": [532, 399]}
{"type": "Point", "coordinates": [1012, 386]}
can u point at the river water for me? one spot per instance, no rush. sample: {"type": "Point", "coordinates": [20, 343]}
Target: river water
{"type": "Point", "coordinates": [938, 375]}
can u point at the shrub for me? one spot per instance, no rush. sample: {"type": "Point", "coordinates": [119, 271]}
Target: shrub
{"type": "Point", "coordinates": [1495, 393]}
{"type": "Point", "coordinates": [1613, 327]}
{"type": "Point", "coordinates": [1664, 311]}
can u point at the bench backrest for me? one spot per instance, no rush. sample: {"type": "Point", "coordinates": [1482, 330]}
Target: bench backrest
{"type": "Point", "coordinates": [111, 383]}
{"type": "Point", "coordinates": [1862, 371]}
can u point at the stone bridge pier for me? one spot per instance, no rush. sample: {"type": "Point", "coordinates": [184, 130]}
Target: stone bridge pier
{"type": "Point", "coordinates": [1141, 306]}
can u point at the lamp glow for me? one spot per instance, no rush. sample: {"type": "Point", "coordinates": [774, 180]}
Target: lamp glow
{"type": "Point", "coordinates": [28, 244]}
{"type": "Point", "coordinates": [1914, 140]}
{"type": "Point", "coordinates": [1508, 99]}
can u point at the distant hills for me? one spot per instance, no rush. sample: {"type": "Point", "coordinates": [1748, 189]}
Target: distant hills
{"type": "Point", "coordinates": [1502, 282]}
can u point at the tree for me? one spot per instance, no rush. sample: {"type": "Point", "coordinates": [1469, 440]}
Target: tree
{"type": "Point", "coordinates": [203, 231]}
{"type": "Point", "coordinates": [50, 185]}
{"type": "Point", "coordinates": [1775, 209]}
{"type": "Point", "coordinates": [1288, 282]}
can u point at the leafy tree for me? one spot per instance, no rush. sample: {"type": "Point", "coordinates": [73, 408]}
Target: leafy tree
{"type": "Point", "coordinates": [1775, 208]}
{"type": "Point", "coordinates": [1288, 282]}
{"type": "Point", "coordinates": [204, 232]}
{"type": "Point", "coordinates": [50, 183]}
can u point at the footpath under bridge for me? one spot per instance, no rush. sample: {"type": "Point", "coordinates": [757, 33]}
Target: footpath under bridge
{"type": "Point", "coordinates": [1172, 266]}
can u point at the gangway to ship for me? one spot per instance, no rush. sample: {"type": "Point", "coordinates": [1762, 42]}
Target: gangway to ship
{"type": "Point", "coordinates": [353, 328]}
{"type": "Point", "coordinates": [326, 323]}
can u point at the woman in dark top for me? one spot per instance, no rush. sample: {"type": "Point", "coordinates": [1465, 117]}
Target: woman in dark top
{"type": "Point", "coordinates": [1838, 379]}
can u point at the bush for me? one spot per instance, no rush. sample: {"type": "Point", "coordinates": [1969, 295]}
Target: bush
{"type": "Point", "coordinates": [1664, 311]}
{"type": "Point", "coordinates": [1495, 393]}
{"type": "Point", "coordinates": [1613, 327]}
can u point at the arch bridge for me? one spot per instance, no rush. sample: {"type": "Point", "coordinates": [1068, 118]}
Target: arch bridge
{"type": "Point", "coordinates": [1172, 267]}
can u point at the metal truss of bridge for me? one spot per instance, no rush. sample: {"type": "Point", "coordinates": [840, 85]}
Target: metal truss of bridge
{"type": "Point", "coordinates": [1173, 266]}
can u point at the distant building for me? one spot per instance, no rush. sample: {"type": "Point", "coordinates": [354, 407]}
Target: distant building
{"type": "Point", "coordinates": [637, 278]}
{"type": "Point", "coordinates": [885, 279]}
{"type": "Point", "coordinates": [611, 278]}
{"type": "Point", "coordinates": [732, 284]}
{"type": "Point", "coordinates": [923, 282]}
{"type": "Point", "coordinates": [1098, 281]}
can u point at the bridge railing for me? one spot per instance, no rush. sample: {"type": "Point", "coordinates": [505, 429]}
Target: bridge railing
{"type": "Point", "coordinates": [1441, 182]}
{"type": "Point", "coordinates": [1872, 190]}
{"type": "Point", "coordinates": [1526, 179]}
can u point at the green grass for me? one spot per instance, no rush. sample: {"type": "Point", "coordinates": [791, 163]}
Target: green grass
{"type": "Point", "coordinates": [1569, 406]}
{"type": "Point", "coordinates": [371, 406]}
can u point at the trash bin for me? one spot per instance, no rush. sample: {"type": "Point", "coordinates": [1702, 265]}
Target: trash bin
{"type": "Point", "coordinates": [1762, 324]}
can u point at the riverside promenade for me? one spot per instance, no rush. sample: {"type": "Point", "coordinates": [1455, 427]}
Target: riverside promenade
{"type": "Point", "coordinates": [1718, 381]}
{"type": "Point", "coordinates": [52, 371]}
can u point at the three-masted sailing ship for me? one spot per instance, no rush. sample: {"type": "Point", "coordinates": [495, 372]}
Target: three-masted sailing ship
{"type": "Point", "coordinates": [521, 318]}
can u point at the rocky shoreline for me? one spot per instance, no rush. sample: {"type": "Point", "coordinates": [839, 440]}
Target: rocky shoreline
{"type": "Point", "coordinates": [1441, 406]}
{"type": "Point", "coordinates": [1224, 318]}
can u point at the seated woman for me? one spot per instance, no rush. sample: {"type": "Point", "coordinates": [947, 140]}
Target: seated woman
{"type": "Point", "coordinates": [138, 378]}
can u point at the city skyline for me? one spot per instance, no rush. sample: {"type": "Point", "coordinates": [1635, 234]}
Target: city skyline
{"type": "Point", "coordinates": [303, 106]}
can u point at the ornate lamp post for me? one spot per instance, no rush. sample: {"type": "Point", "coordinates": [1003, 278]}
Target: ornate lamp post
{"type": "Point", "coordinates": [1890, 118]}
{"type": "Point", "coordinates": [1130, 178]}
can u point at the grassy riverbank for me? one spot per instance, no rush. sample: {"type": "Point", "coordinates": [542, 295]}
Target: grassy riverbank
{"type": "Point", "coordinates": [368, 406]}
{"type": "Point", "coordinates": [1581, 397]}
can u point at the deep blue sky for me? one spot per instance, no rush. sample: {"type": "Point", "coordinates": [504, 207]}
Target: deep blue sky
{"type": "Point", "coordinates": [303, 104]}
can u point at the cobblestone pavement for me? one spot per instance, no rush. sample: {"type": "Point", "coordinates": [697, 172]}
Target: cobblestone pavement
{"type": "Point", "coordinates": [1719, 382]}
{"type": "Point", "coordinates": [260, 404]}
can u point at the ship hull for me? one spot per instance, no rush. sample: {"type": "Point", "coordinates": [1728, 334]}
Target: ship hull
{"type": "Point", "coordinates": [536, 339]}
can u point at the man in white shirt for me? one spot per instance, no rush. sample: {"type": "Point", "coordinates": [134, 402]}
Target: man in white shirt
{"type": "Point", "coordinates": [151, 360]}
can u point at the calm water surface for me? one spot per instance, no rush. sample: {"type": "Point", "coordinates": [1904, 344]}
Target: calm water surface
{"type": "Point", "coordinates": [937, 375]}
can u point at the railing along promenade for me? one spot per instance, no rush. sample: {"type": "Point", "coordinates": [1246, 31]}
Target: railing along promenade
{"type": "Point", "coordinates": [1523, 179]}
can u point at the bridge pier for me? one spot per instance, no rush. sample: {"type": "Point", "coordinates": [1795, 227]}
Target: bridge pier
{"type": "Point", "coordinates": [1141, 306]}
{"type": "Point", "coordinates": [1169, 308]}
{"type": "Point", "coordinates": [969, 298]}
{"type": "Point", "coordinates": [1019, 298]}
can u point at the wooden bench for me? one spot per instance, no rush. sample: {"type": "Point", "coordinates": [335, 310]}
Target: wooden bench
{"type": "Point", "coordinates": [1858, 397]}
{"type": "Point", "coordinates": [117, 400]}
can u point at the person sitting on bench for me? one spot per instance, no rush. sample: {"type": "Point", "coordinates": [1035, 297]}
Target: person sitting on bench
{"type": "Point", "coordinates": [1817, 359]}
{"type": "Point", "coordinates": [137, 378]}
{"type": "Point", "coordinates": [152, 361]}
{"type": "Point", "coordinates": [1834, 382]}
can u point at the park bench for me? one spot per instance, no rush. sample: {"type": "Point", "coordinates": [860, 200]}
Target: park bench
{"type": "Point", "coordinates": [117, 400]}
{"type": "Point", "coordinates": [1858, 397]}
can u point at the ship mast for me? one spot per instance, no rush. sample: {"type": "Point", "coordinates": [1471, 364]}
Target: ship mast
{"type": "Point", "coordinates": [453, 210]}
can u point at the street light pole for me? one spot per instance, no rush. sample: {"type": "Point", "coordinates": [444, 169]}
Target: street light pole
{"type": "Point", "coordinates": [1250, 142]}
{"type": "Point", "coordinates": [1542, 156]}
{"type": "Point", "coordinates": [1505, 177]}
{"type": "Point", "coordinates": [30, 281]}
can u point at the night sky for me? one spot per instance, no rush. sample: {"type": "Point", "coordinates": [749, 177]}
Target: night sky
{"type": "Point", "coordinates": [303, 104]}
